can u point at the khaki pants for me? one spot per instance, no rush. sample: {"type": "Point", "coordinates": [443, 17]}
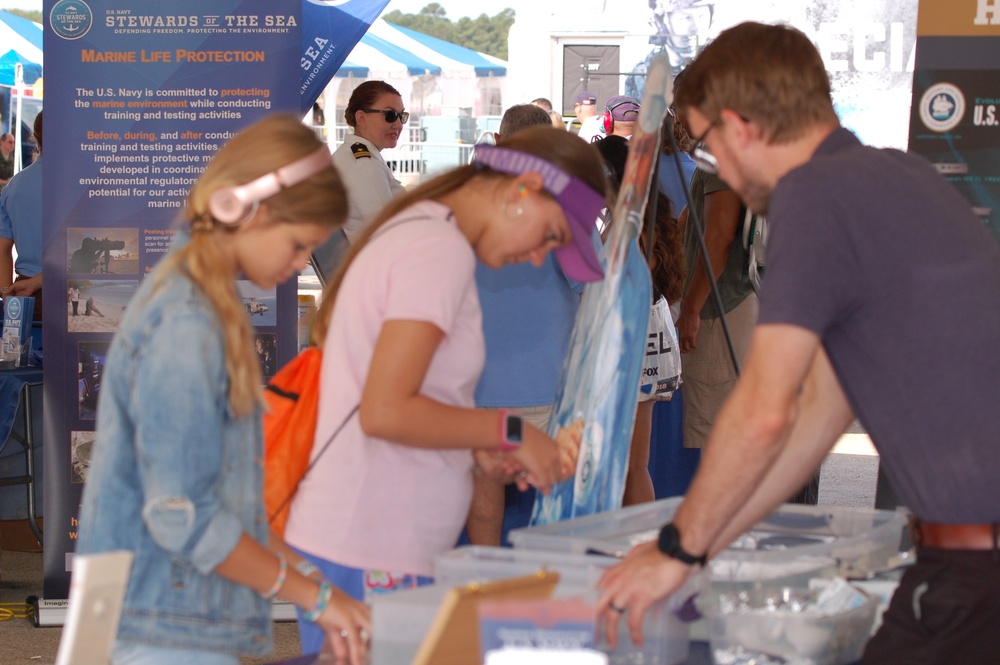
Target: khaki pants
{"type": "Point", "coordinates": [708, 372]}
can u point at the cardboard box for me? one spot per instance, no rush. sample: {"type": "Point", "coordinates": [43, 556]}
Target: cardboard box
{"type": "Point", "coordinates": [16, 536]}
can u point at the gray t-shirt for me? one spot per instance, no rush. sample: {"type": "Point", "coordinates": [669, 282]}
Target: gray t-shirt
{"type": "Point", "coordinates": [880, 256]}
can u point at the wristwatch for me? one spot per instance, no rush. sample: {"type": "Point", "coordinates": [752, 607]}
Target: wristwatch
{"type": "Point", "coordinates": [670, 544]}
{"type": "Point", "coordinates": [511, 431]}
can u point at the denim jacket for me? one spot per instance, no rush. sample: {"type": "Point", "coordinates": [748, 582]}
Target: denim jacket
{"type": "Point", "coordinates": [176, 478]}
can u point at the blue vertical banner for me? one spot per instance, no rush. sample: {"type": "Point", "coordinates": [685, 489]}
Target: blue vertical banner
{"type": "Point", "coordinates": [955, 115]}
{"type": "Point", "coordinates": [143, 94]}
{"type": "Point", "coordinates": [330, 29]}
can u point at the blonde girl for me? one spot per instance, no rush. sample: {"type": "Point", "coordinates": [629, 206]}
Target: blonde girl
{"type": "Point", "coordinates": [177, 476]}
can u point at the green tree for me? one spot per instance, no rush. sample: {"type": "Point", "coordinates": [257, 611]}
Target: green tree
{"type": "Point", "coordinates": [484, 33]}
{"type": "Point", "coordinates": [35, 16]}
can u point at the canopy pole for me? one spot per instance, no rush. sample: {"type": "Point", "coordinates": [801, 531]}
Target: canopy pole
{"type": "Point", "coordinates": [16, 130]}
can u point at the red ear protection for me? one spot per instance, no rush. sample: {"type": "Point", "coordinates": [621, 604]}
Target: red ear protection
{"type": "Point", "coordinates": [607, 122]}
{"type": "Point", "coordinates": [233, 205]}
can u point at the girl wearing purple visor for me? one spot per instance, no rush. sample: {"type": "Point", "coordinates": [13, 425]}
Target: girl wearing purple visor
{"type": "Point", "coordinates": [401, 330]}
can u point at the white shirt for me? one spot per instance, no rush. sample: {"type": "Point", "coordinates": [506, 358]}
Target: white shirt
{"type": "Point", "coordinates": [590, 128]}
{"type": "Point", "coordinates": [368, 180]}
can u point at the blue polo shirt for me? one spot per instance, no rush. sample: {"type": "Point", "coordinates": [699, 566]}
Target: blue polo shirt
{"type": "Point", "coordinates": [528, 315]}
{"type": "Point", "coordinates": [21, 218]}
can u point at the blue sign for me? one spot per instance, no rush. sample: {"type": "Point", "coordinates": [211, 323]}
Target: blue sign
{"type": "Point", "coordinates": [145, 94]}
{"type": "Point", "coordinates": [330, 29]}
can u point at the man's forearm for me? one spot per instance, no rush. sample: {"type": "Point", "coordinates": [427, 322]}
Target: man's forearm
{"type": "Point", "coordinates": [6, 268]}
{"type": "Point", "coordinates": [822, 417]}
{"type": "Point", "coordinates": [734, 464]}
{"type": "Point", "coordinates": [749, 434]}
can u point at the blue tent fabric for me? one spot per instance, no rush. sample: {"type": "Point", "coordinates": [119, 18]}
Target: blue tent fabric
{"type": "Point", "coordinates": [414, 65]}
{"type": "Point", "coordinates": [351, 69]}
{"type": "Point", "coordinates": [483, 66]}
{"type": "Point", "coordinates": [30, 31]}
{"type": "Point", "coordinates": [21, 42]}
{"type": "Point", "coordinates": [32, 70]}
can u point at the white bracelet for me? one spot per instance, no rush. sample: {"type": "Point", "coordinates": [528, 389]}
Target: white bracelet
{"type": "Point", "coordinates": [306, 568]}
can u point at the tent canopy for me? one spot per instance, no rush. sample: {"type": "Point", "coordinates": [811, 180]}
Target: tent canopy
{"type": "Point", "coordinates": [391, 51]}
{"type": "Point", "coordinates": [22, 43]}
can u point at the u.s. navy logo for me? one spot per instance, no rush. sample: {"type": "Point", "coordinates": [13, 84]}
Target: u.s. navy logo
{"type": "Point", "coordinates": [942, 107]}
{"type": "Point", "coordinates": [71, 19]}
{"type": "Point", "coordinates": [14, 308]}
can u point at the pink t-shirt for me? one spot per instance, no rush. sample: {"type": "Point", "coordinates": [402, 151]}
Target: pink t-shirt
{"type": "Point", "coordinates": [370, 503]}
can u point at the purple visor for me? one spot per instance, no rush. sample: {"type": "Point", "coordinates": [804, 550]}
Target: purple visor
{"type": "Point", "coordinates": [580, 204]}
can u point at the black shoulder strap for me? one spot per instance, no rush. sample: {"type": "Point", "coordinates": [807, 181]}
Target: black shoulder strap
{"type": "Point", "coordinates": [312, 463]}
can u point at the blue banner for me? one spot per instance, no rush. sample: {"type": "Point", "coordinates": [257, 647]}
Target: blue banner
{"type": "Point", "coordinates": [144, 94]}
{"type": "Point", "coordinates": [330, 30]}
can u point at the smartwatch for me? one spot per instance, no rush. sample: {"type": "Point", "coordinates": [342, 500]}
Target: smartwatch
{"type": "Point", "coordinates": [511, 431]}
{"type": "Point", "coordinates": [670, 544]}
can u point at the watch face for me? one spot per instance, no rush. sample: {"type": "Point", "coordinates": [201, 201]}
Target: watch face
{"type": "Point", "coordinates": [514, 429]}
{"type": "Point", "coordinates": [669, 540]}
{"type": "Point", "coordinates": [670, 544]}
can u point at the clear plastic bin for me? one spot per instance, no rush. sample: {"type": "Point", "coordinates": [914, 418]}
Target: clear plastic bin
{"type": "Point", "coordinates": [793, 537]}
{"type": "Point", "coordinates": [666, 637]}
{"type": "Point", "coordinates": [578, 574]}
{"type": "Point", "coordinates": [400, 620]}
{"type": "Point", "coordinates": [801, 638]}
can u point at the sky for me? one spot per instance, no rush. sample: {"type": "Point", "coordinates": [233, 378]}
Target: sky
{"type": "Point", "coordinates": [455, 9]}
{"type": "Point", "coordinates": [22, 4]}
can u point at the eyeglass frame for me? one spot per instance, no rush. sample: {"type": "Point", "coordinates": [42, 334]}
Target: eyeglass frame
{"type": "Point", "coordinates": [702, 156]}
{"type": "Point", "coordinates": [402, 116]}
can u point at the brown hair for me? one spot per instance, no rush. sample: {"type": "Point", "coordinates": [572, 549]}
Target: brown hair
{"type": "Point", "coordinates": [36, 130]}
{"type": "Point", "coordinates": [770, 74]}
{"type": "Point", "coordinates": [560, 148]}
{"type": "Point", "coordinates": [521, 116]}
{"type": "Point", "coordinates": [262, 148]}
{"type": "Point", "coordinates": [364, 96]}
{"type": "Point", "coordinates": [681, 138]}
{"type": "Point", "coordinates": [666, 265]}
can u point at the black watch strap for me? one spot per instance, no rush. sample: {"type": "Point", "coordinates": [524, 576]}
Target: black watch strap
{"type": "Point", "coordinates": [670, 544]}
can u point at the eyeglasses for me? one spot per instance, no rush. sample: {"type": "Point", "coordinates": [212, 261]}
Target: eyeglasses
{"type": "Point", "coordinates": [702, 156]}
{"type": "Point", "coordinates": [391, 115]}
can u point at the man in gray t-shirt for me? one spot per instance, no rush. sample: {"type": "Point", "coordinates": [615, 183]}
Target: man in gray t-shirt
{"type": "Point", "coordinates": [882, 302]}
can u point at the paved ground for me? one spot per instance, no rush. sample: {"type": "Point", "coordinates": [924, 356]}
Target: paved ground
{"type": "Point", "coordinates": [849, 474]}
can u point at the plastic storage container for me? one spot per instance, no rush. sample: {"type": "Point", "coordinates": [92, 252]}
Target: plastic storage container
{"type": "Point", "coordinates": [400, 620]}
{"type": "Point", "coordinates": [666, 637]}
{"type": "Point", "coordinates": [800, 638]}
{"type": "Point", "coordinates": [792, 539]}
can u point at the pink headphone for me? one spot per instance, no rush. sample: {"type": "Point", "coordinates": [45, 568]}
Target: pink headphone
{"type": "Point", "coordinates": [236, 204]}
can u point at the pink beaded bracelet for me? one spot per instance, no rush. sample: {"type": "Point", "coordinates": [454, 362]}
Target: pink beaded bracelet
{"type": "Point", "coordinates": [280, 582]}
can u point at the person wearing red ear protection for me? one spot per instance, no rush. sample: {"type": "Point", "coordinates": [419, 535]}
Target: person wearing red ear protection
{"type": "Point", "coordinates": [619, 117]}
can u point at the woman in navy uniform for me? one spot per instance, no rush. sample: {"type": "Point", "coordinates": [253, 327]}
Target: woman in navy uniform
{"type": "Point", "coordinates": [375, 113]}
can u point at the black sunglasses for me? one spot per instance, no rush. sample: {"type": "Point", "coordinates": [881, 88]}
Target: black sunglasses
{"type": "Point", "coordinates": [391, 115]}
